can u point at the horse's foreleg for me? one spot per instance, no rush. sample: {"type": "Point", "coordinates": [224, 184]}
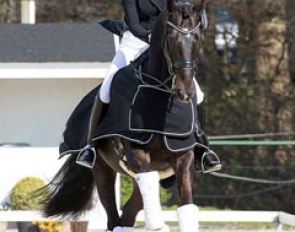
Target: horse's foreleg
{"type": "Point", "coordinates": [105, 179]}
{"type": "Point", "coordinates": [148, 184]}
{"type": "Point", "coordinates": [131, 208]}
{"type": "Point", "coordinates": [187, 212]}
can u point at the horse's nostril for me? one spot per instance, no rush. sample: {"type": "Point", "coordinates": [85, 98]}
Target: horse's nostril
{"type": "Point", "coordinates": [182, 95]}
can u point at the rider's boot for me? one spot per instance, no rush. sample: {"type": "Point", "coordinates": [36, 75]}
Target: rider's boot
{"type": "Point", "coordinates": [87, 156]}
{"type": "Point", "coordinates": [206, 160]}
{"type": "Point", "coordinates": [209, 162]}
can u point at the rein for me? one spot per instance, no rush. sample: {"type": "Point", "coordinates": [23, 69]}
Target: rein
{"type": "Point", "coordinates": [161, 84]}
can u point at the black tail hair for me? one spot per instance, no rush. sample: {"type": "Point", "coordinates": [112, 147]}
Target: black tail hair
{"type": "Point", "coordinates": [70, 191]}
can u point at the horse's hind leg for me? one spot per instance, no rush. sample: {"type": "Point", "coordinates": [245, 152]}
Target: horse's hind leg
{"type": "Point", "coordinates": [105, 179]}
{"type": "Point", "coordinates": [187, 212]}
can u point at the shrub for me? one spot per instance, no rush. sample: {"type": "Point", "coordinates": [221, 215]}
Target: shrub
{"type": "Point", "coordinates": [23, 195]}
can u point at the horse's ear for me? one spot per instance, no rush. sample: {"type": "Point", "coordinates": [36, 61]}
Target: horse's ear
{"type": "Point", "coordinates": [201, 6]}
{"type": "Point", "coordinates": [170, 5]}
{"type": "Point", "coordinates": [200, 9]}
{"type": "Point", "coordinates": [204, 20]}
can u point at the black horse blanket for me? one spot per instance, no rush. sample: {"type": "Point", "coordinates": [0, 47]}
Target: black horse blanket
{"type": "Point", "coordinates": [139, 109]}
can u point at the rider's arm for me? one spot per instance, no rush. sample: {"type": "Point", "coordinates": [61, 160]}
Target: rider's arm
{"type": "Point", "coordinates": [132, 19]}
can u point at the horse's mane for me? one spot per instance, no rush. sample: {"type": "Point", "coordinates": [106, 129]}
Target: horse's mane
{"type": "Point", "coordinates": [158, 34]}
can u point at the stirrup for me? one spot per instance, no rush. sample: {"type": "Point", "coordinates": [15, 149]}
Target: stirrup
{"type": "Point", "coordinates": [85, 164]}
{"type": "Point", "coordinates": [212, 169]}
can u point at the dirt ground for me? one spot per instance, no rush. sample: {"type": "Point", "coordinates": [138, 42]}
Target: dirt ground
{"type": "Point", "coordinates": [175, 229]}
{"type": "Point", "coordinates": [213, 229]}
{"type": "Point", "coordinates": [220, 229]}
{"type": "Point", "coordinates": [205, 229]}
{"type": "Point", "coordinates": [223, 229]}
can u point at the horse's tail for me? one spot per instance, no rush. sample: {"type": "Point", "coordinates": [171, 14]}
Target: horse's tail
{"type": "Point", "coordinates": [70, 191]}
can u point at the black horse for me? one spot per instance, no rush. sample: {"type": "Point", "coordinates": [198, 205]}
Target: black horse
{"type": "Point", "coordinates": [170, 68]}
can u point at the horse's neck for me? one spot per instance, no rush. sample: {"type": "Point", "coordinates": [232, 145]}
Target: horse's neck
{"type": "Point", "coordinates": [156, 65]}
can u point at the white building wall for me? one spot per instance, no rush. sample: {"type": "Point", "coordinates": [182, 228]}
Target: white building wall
{"type": "Point", "coordinates": [35, 111]}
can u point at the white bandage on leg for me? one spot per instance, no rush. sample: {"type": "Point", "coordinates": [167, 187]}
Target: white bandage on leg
{"type": "Point", "coordinates": [128, 229]}
{"type": "Point", "coordinates": [165, 228]}
{"type": "Point", "coordinates": [188, 218]}
{"type": "Point", "coordinates": [149, 187]}
{"type": "Point", "coordinates": [123, 229]}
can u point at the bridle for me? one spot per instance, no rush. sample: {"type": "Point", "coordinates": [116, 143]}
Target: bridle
{"type": "Point", "coordinates": [180, 64]}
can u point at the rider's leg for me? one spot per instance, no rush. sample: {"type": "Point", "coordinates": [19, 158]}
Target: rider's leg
{"type": "Point", "coordinates": [87, 155]}
{"type": "Point", "coordinates": [129, 48]}
{"type": "Point", "coordinates": [207, 160]}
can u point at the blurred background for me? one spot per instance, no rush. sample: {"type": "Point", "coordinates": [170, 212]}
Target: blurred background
{"type": "Point", "coordinates": [247, 71]}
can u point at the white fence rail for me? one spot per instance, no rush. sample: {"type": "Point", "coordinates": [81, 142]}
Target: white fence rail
{"type": "Point", "coordinates": [278, 218]}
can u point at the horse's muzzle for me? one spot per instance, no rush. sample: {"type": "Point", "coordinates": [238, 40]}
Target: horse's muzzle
{"type": "Point", "coordinates": [183, 95]}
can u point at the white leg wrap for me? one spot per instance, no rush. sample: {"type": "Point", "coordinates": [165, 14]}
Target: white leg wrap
{"type": "Point", "coordinates": [149, 187]}
{"type": "Point", "coordinates": [118, 229]}
{"type": "Point", "coordinates": [128, 229]}
{"type": "Point", "coordinates": [123, 229]}
{"type": "Point", "coordinates": [165, 228]}
{"type": "Point", "coordinates": [188, 218]}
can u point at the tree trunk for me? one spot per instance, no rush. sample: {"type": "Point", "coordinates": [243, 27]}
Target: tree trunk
{"type": "Point", "coordinates": [290, 16]}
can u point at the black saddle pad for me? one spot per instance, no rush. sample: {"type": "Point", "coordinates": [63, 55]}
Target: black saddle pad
{"type": "Point", "coordinates": [155, 110]}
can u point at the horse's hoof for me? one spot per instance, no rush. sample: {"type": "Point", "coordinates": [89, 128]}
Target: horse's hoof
{"type": "Point", "coordinates": [165, 228]}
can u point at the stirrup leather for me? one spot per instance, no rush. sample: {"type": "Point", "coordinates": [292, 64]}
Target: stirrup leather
{"type": "Point", "coordinates": [88, 147]}
{"type": "Point", "coordinates": [213, 169]}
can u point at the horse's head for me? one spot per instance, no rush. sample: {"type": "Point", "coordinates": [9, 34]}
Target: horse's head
{"type": "Point", "coordinates": [185, 23]}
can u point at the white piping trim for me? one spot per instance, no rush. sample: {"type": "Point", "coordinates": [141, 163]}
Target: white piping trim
{"type": "Point", "coordinates": [184, 148]}
{"type": "Point", "coordinates": [158, 131]}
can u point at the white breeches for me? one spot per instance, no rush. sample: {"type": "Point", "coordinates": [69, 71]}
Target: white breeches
{"type": "Point", "coordinates": [129, 49]}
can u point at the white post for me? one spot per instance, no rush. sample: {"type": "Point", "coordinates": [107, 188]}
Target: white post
{"type": "Point", "coordinates": [28, 11]}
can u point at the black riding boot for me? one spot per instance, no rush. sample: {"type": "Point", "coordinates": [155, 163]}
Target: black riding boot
{"type": "Point", "coordinates": [87, 156]}
{"type": "Point", "coordinates": [207, 164]}
{"type": "Point", "coordinates": [205, 161]}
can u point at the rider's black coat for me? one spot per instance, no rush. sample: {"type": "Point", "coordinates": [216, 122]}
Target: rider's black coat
{"type": "Point", "coordinates": [140, 15]}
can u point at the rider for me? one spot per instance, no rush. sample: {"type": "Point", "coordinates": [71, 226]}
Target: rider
{"type": "Point", "coordinates": [140, 17]}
